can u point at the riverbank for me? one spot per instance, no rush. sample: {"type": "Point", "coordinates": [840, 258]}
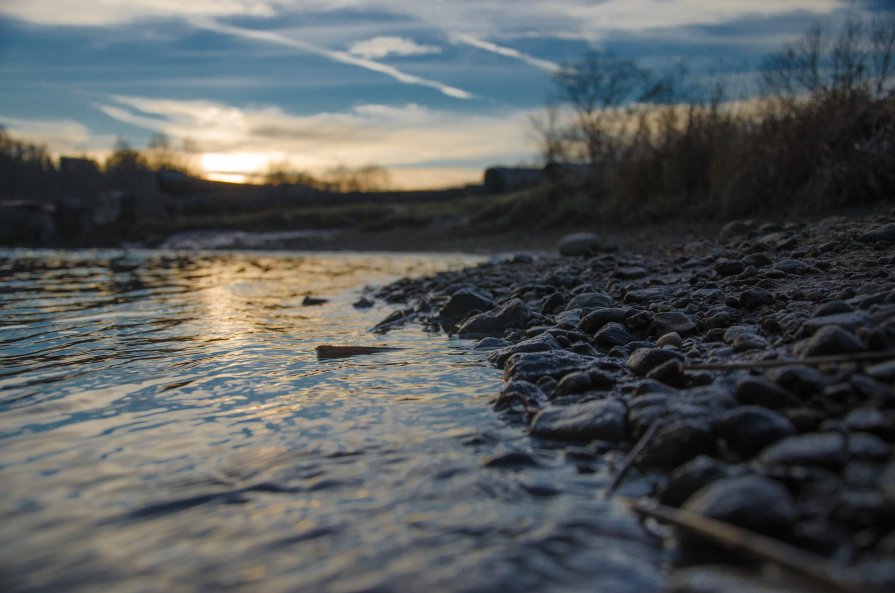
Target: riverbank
{"type": "Point", "coordinates": [743, 376]}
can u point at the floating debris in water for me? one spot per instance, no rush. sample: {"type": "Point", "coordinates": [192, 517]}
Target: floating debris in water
{"type": "Point", "coordinates": [310, 301]}
{"type": "Point", "coordinates": [327, 351]}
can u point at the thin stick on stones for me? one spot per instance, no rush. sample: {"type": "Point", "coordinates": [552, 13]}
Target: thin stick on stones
{"type": "Point", "coordinates": [751, 544]}
{"type": "Point", "coordinates": [631, 458]}
{"type": "Point", "coordinates": [809, 360]}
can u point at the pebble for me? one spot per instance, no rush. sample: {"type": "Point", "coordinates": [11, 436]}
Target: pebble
{"type": "Point", "coordinates": [670, 340]}
{"type": "Point", "coordinates": [755, 297]}
{"type": "Point", "coordinates": [673, 321]}
{"type": "Point", "coordinates": [512, 314]}
{"type": "Point", "coordinates": [749, 429]}
{"type": "Point", "coordinates": [612, 334]}
{"type": "Point", "coordinates": [643, 360]}
{"type": "Point", "coordinates": [753, 502]}
{"type": "Point", "coordinates": [761, 391]}
{"type": "Point", "coordinates": [575, 244]}
{"type": "Point", "coordinates": [602, 420]}
{"type": "Point", "coordinates": [600, 349]}
{"type": "Point", "coordinates": [463, 302]}
{"type": "Point", "coordinates": [832, 339]}
{"type": "Point", "coordinates": [816, 449]}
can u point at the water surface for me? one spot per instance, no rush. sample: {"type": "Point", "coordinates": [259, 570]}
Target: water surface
{"type": "Point", "coordinates": [166, 426]}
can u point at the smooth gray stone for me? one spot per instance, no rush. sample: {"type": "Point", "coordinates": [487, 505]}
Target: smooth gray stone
{"type": "Point", "coordinates": [598, 420]}
{"type": "Point", "coordinates": [512, 314]}
{"type": "Point", "coordinates": [827, 449]}
{"type": "Point", "coordinates": [753, 502]}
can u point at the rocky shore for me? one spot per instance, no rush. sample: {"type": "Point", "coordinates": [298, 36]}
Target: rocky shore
{"type": "Point", "coordinates": [742, 380]}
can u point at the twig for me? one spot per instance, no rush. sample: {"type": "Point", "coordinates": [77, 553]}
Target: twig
{"type": "Point", "coordinates": [808, 360]}
{"type": "Point", "coordinates": [751, 544]}
{"type": "Point", "coordinates": [631, 458]}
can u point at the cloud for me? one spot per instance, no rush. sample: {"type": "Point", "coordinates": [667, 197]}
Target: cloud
{"type": "Point", "coordinates": [109, 12]}
{"type": "Point", "coordinates": [61, 136]}
{"type": "Point", "coordinates": [392, 136]}
{"type": "Point", "coordinates": [494, 19]}
{"type": "Point", "coordinates": [381, 47]}
{"type": "Point", "coordinates": [337, 56]}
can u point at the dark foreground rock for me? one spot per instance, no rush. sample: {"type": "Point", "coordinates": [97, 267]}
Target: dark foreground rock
{"type": "Point", "coordinates": [756, 367]}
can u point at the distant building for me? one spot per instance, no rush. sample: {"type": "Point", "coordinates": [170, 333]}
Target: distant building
{"type": "Point", "coordinates": [503, 179]}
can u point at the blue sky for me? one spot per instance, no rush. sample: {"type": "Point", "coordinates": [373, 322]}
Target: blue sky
{"type": "Point", "coordinates": [433, 90]}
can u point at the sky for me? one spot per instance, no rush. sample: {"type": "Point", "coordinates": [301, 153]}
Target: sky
{"type": "Point", "coordinates": [435, 91]}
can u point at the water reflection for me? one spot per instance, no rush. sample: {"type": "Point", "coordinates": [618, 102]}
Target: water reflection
{"type": "Point", "coordinates": [165, 424]}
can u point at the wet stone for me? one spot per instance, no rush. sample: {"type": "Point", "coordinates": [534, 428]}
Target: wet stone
{"type": "Point", "coordinates": [602, 420]}
{"type": "Point", "coordinates": [793, 266]}
{"type": "Point", "coordinates": [597, 318]}
{"type": "Point", "coordinates": [755, 297]}
{"type": "Point", "coordinates": [802, 380]}
{"type": "Point", "coordinates": [670, 340]}
{"type": "Point", "coordinates": [512, 314]}
{"type": "Point", "coordinates": [673, 321]}
{"type": "Point", "coordinates": [645, 296]}
{"type": "Point", "coordinates": [643, 360]}
{"type": "Point", "coordinates": [579, 244]}
{"type": "Point", "coordinates": [753, 502]}
{"type": "Point", "coordinates": [612, 334]}
{"type": "Point", "coordinates": [728, 267]}
{"type": "Point", "coordinates": [881, 234]}
{"type": "Point", "coordinates": [678, 442]}
{"type": "Point", "coordinates": [745, 342]}
{"type": "Point", "coordinates": [589, 300]}
{"type": "Point", "coordinates": [540, 343]}
{"type": "Point", "coordinates": [760, 391]}
{"type": "Point", "coordinates": [531, 366]}
{"type": "Point", "coordinates": [862, 445]}
{"type": "Point", "coordinates": [850, 321]}
{"type": "Point", "coordinates": [524, 392]}
{"type": "Point", "coordinates": [749, 429]}
{"type": "Point", "coordinates": [463, 302]}
{"type": "Point", "coordinates": [832, 339]}
{"type": "Point", "coordinates": [825, 449]}
{"type": "Point", "coordinates": [690, 477]}
{"type": "Point", "coordinates": [832, 308]}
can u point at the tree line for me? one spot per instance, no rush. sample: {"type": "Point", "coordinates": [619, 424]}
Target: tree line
{"type": "Point", "coordinates": [818, 131]}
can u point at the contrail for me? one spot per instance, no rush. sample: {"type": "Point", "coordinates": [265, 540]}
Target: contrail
{"type": "Point", "coordinates": [336, 56]}
{"type": "Point", "coordinates": [545, 65]}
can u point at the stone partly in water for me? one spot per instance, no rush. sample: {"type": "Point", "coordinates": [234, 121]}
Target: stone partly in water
{"type": "Point", "coordinates": [579, 244]}
{"type": "Point", "coordinates": [463, 302]}
{"type": "Point", "coordinates": [602, 420]}
{"type": "Point", "coordinates": [512, 314]}
{"type": "Point", "coordinates": [532, 366]}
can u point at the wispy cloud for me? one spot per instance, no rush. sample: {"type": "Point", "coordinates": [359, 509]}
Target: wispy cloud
{"type": "Point", "coordinates": [108, 12]}
{"type": "Point", "coordinates": [59, 135]}
{"type": "Point", "coordinates": [335, 55]}
{"type": "Point", "coordinates": [402, 136]}
{"type": "Point", "coordinates": [381, 47]}
{"type": "Point", "coordinates": [545, 65]}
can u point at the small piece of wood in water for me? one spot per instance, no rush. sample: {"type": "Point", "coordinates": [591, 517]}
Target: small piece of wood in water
{"type": "Point", "coordinates": [327, 351]}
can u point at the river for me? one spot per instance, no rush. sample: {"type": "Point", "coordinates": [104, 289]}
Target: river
{"type": "Point", "coordinates": [165, 425]}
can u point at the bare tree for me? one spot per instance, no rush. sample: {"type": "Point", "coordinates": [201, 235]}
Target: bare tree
{"type": "Point", "coordinates": [597, 88]}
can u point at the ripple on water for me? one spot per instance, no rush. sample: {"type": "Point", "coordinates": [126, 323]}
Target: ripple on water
{"type": "Point", "coordinates": [165, 424]}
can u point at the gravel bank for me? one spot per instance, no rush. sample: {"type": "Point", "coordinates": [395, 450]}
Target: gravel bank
{"type": "Point", "coordinates": [753, 371]}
